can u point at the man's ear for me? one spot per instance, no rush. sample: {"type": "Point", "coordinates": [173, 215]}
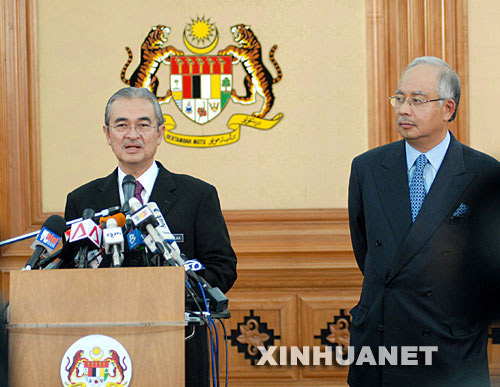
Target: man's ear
{"type": "Point", "coordinates": [161, 134]}
{"type": "Point", "coordinates": [105, 129]}
{"type": "Point", "coordinates": [449, 108]}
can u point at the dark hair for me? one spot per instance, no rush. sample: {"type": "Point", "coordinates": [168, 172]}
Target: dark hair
{"type": "Point", "coordinates": [134, 92]}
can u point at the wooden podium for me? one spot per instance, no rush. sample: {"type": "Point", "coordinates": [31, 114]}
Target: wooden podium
{"type": "Point", "coordinates": [142, 308]}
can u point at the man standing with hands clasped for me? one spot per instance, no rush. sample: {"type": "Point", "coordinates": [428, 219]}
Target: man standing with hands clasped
{"type": "Point", "coordinates": [409, 203]}
{"type": "Point", "coordinates": [134, 129]}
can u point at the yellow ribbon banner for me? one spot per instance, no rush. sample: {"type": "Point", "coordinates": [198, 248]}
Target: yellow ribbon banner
{"type": "Point", "coordinates": [236, 121]}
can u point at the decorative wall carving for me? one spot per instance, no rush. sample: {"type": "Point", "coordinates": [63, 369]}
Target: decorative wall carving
{"type": "Point", "coordinates": [252, 333]}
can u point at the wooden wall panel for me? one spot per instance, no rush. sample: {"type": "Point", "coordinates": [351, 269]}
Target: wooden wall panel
{"type": "Point", "coordinates": [324, 320]}
{"type": "Point", "coordinates": [399, 31]}
{"type": "Point", "coordinates": [258, 319]}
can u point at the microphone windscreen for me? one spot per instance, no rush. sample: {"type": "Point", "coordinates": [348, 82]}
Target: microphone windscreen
{"type": "Point", "coordinates": [88, 213]}
{"type": "Point", "coordinates": [128, 179]}
{"type": "Point", "coordinates": [119, 217]}
{"type": "Point", "coordinates": [56, 224]}
{"type": "Point", "coordinates": [128, 186]}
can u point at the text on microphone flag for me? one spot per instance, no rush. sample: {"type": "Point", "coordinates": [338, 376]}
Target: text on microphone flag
{"type": "Point", "coordinates": [48, 238]}
{"type": "Point", "coordinates": [141, 215]}
{"type": "Point", "coordinates": [113, 235]}
{"type": "Point", "coordinates": [134, 239]}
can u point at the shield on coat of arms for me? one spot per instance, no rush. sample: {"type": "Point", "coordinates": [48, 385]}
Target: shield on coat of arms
{"type": "Point", "coordinates": [201, 85]}
{"type": "Point", "coordinates": [96, 371]}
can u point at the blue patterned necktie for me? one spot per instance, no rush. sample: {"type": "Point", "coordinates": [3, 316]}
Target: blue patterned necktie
{"type": "Point", "coordinates": [417, 187]}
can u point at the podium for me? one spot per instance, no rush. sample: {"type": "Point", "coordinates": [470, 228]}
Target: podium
{"type": "Point", "coordinates": [142, 308]}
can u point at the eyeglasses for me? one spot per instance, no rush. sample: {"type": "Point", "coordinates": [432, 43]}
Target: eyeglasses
{"type": "Point", "coordinates": [140, 128]}
{"type": "Point", "coordinates": [398, 100]}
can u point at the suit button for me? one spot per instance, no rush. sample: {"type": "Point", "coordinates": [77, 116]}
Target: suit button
{"type": "Point", "coordinates": [378, 243]}
{"type": "Point", "coordinates": [428, 292]}
{"type": "Point", "coordinates": [380, 328]}
{"type": "Point", "coordinates": [426, 332]}
{"type": "Point", "coordinates": [388, 288]}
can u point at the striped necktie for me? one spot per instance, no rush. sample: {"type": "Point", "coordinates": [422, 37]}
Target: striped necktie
{"type": "Point", "coordinates": [138, 191]}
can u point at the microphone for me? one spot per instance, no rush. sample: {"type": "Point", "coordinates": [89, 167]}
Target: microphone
{"type": "Point", "coordinates": [113, 241]}
{"type": "Point", "coordinates": [54, 265]}
{"type": "Point", "coordinates": [194, 265]}
{"type": "Point", "coordinates": [87, 234]}
{"type": "Point", "coordinates": [105, 212]}
{"type": "Point", "coordinates": [119, 218]}
{"type": "Point", "coordinates": [162, 227]}
{"type": "Point", "coordinates": [218, 301]}
{"type": "Point", "coordinates": [135, 239]}
{"type": "Point", "coordinates": [128, 186]}
{"type": "Point", "coordinates": [46, 240]}
{"type": "Point", "coordinates": [46, 261]}
{"type": "Point", "coordinates": [143, 217]}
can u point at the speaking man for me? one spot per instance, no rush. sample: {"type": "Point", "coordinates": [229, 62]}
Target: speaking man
{"type": "Point", "coordinates": [409, 203]}
{"type": "Point", "coordinates": [134, 129]}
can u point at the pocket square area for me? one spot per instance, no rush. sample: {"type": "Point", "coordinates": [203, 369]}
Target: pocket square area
{"type": "Point", "coordinates": [462, 210]}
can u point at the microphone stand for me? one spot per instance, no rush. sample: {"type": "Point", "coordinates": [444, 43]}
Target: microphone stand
{"type": "Point", "coordinates": [33, 234]}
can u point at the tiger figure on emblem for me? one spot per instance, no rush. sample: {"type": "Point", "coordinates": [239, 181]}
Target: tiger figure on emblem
{"type": "Point", "coordinates": [154, 52]}
{"type": "Point", "coordinates": [258, 78]}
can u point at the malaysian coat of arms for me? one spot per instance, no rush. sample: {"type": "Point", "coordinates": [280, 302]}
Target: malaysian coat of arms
{"type": "Point", "coordinates": [201, 85]}
{"type": "Point", "coordinates": [97, 361]}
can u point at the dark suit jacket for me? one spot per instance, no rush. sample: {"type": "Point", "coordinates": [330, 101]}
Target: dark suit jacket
{"type": "Point", "coordinates": [414, 283]}
{"type": "Point", "coordinates": [190, 207]}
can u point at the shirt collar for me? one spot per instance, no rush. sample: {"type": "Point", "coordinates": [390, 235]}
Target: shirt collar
{"type": "Point", "coordinates": [435, 155]}
{"type": "Point", "coordinates": [147, 179]}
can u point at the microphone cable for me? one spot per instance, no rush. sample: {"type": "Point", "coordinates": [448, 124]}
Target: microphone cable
{"type": "Point", "coordinates": [225, 345]}
{"type": "Point", "coordinates": [192, 294]}
{"type": "Point", "coordinates": [216, 350]}
{"type": "Point", "coordinates": [213, 348]}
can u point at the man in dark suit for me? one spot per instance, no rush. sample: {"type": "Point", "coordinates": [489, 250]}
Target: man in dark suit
{"type": "Point", "coordinates": [408, 207]}
{"type": "Point", "coordinates": [134, 129]}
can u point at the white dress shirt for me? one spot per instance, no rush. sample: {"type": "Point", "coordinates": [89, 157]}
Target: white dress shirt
{"type": "Point", "coordinates": [147, 179]}
{"type": "Point", "coordinates": [435, 157]}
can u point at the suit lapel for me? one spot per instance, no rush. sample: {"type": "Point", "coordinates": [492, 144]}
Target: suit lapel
{"type": "Point", "coordinates": [448, 186]}
{"type": "Point", "coordinates": [164, 190]}
{"type": "Point", "coordinates": [107, 192]}
{"type": "Point", "coordinates": [391, 179]}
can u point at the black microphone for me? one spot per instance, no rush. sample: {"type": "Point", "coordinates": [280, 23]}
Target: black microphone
{"type": "Point", "coordinates": [51, 258]}
{"type": "Point", "coordinates": [128, 186]}
{"type": "Point", "coordinates": [46, 240]}
{"type": "Point", "coordinates": [86, 233]}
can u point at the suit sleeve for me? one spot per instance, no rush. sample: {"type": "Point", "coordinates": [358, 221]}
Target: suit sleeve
{"type": "Point", "coordinates": [357, 217]}
{"type": "Point", "coordinates": [212, 243]}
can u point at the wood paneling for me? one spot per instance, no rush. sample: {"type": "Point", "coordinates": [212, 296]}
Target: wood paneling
{"type": "Point", "coordinates": [399, 31]}
{"type": "Point", "coordinates": [20, 202]}
{"type": "Point", "coordinates": [324, 320]}
{"type": "Point", "coordinates": [296, 270]}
